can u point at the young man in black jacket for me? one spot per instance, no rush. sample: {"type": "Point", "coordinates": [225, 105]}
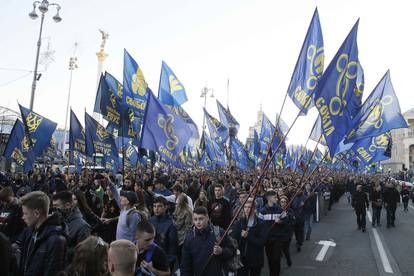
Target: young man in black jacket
{"type": "Point", "coordinates": [360, 204]}
{"type": "Point", "coordinates": [201, 255]}
{"type": "Point", "coordinates": [391, 198]}
{"type": "Point", "coordinates": [42, 244]}
{"type": "Point", "coordinates": [78, 228]}
{"type": "Point", "coordinates": [219, 208]}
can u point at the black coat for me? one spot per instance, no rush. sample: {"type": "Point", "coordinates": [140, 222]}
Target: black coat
{"type": "Point", "coordinates": [197, 248]}
{"type": "Point", "coordinates": [391, 197]}
{"type": "Point", "coordinates": [252, 247]}
{"type": "Point", "coordinates": [360, 200]}
{"type": "Point", "coordinates": [43, 253]}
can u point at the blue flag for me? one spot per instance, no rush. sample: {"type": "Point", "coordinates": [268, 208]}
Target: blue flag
{"type": "Point", "coordinates": [135, 88]}
{"type": "Point", "coordinates": [205, 162]}
{"type": "Point", "coordinates": [38, 128]}
{"type": "Point", "coordinates": [76, 135]}
{"type": "Point", "coordinates": [110, 105]}
{"type": "Point", "coordinates": [239, 154]}
{"type": "Point", "coordinates": [226, 118]}
{"type": "Point", "coordinates": [170, 86]}
{"type": "Point", "coordinates": [215, 151]}
{"type": "Point", "coordinates": [371, 149]}
{"type": "Point", "coordinates": [218, 131]}
{"type": "Point", "coordinates": [309, 67]}
{"type": "Point", "coordinates": [266, 135]}
{"type": "Point", "coordinates": [18, 147]}
{"type": "Point", "coordinates": [163, 131]}
{"type": "Point", "coordinates": [380, 113]}
{"type": "Point", "coordinates": [98, 140]}
{"type": "Point", "coordinates": [336, 89]}
{"type": "Point", "coordinates": [168, 101]}
{"type": "Point", "coordinates": [131, 155]}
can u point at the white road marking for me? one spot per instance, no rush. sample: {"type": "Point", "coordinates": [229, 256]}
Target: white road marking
{"type": "Point", "coordinates": [411, 206]}
{"type": "Point", "coordinates": [380, 247]}
{"type": "Point", "coordinates": [381, 250]}
{"type": "Point", "coordinates": [324, 249]}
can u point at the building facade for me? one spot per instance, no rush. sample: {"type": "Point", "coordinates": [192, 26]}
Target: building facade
{"type": "Point", "coordinates": [402, 153]}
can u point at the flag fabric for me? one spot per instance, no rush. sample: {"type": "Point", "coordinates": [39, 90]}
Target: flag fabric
{"type": "Point", "coordinates": [239, 154]}
{"type": "Point", "coordinates": [135, 88]}
{"type": "Point", "coordinates": [218, 131]}
{"type": "Point", "coordinates": [110, 105]}
{"type": "Point", "coordinates": [336, 89]}
{"type": "Point", "coordinates": [215, 151]}
{"type": "Point", "coordinates": [168, 101]}
{"type": "Point", "coordinates": [98, 140]}
{"type": "Point", "coordinates": [380, 113]}
{"type": "Point", "coordinates": [371, 149]}
{"type": "Point", "coordinates": [170, 86]}
{"type": "Point", "coordinates": [18, 147]}
{"type": "Point", "coordinates": [131, 155]}
{"type": "Point", "coordinates": [309, 67]}
{"type": "Point", "coordinates": [179, 111]}
{"type": "Point", "coordinates": [205, 162]}
{"type": "Point", "coordinates": [163, 131]}
{"type": "Point", "coordinates": [226, 118]}
{"type": "Point", "coordinates": [266, 135]}
{"type": "Point", "coordinates": [76, 135]}
{"type": "Point", "coordinates": [38, 128]}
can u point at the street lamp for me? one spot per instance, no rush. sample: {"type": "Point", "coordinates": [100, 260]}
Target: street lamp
{"type": "Point", "coordinates": [43, 8]}
{"type": "Point", "coordinates": [204, 93]}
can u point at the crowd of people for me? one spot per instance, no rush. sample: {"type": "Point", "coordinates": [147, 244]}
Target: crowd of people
{"type": "Point", "coordinates": [164, 221]}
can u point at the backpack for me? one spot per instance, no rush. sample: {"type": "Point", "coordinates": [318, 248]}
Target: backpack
{"type": "Point", "coordinates": [133, 211]}
{"type": "Point", "coordinates": [234, 263]}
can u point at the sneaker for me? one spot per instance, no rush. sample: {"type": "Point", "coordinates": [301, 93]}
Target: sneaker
{"type": "Point", "coordinates": [363, 229]}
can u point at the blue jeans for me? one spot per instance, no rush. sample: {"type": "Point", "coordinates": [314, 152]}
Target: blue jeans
{"type": "Point", "coordinates": [376, 215]}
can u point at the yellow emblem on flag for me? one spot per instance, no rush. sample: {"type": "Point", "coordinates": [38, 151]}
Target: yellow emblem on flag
{"type": "Point", "coordinates": [33, 121]}
{"type": "Point", "coordinates": [138, 83]}
{"type": "Point", "coordinates": [166, 124]}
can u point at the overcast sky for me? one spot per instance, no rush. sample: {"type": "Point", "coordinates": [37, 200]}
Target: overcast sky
{"type": "Point", "coordinates": [254, 43]}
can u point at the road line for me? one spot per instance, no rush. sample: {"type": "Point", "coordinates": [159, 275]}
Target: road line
{"type": "Point", "coordinates": [411, 206]}
{"type": "Point", "coordinates": [324, 249]}
{"type": "Point", "coordinates": [381, 250]}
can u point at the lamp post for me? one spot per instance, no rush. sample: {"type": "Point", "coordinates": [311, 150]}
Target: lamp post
{"type": "Point", "coordinates": [204, 93]}
{"type": "Point", "coordinates": [72, 66]}
{"type": "Point", "coordinates": [43, 7]}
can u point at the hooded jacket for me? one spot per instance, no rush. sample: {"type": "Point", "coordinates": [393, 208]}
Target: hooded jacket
{"type": "Point", "coordinates": [43, 251]}
{"type": "Point", "coordinates": [77, 227]}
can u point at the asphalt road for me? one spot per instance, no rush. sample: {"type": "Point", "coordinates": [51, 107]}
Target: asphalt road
{"type": "Point", "coordinates": [337, 247]}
